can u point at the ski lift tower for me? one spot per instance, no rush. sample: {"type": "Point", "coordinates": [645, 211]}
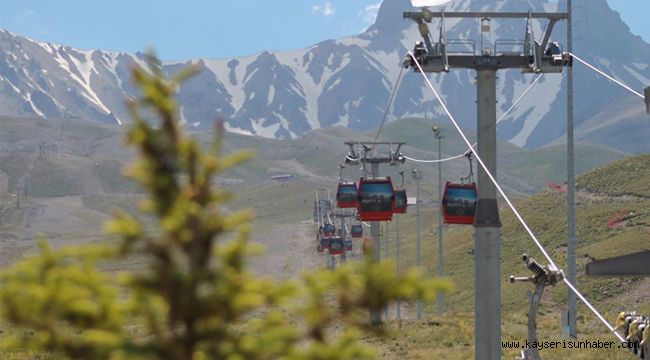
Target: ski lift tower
{"type": "Point", "coordinates": [534, 57]}
{"type": "Point", "coordinates": [374, 153]}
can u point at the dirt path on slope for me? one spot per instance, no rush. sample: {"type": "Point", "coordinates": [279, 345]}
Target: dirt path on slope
{"type": "Point", "coordinates": [598, 197]}
{"type": "Point", "coordinates": [60, 220]}
{"type": "Point", "coordinates": [290, 251]}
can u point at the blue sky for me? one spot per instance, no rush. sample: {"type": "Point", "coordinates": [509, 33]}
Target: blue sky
{"type": "Point", "coordinates": [211, 28]}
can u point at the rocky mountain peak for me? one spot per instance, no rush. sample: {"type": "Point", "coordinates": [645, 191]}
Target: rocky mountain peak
{"type": "Point", "coordinates": [347, 82]}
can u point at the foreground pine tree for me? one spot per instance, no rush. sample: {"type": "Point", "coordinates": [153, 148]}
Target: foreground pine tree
{"type": "Point", "coordinates": [193, 298]}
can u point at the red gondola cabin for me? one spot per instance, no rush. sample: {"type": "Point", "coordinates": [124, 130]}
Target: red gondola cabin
{"type": "Point", "coordinates": [323, 243]}
{"type": "Point", "coordinates": [328, 230]}
{"type": "Point", "coordinates": [336, 246]}
{"type": "Point", "coordinates": [459, 203]}
{"type": "Point", "coordinates": [348, 245]}
{"type": "Point", "coordinates": [346, 195]}
{"type": "Point", "coordinates": [400, 202]}
{"type": "Point", "coordinates": [356, 231]}
{"type": "Point", "coordinates": [375, 199]}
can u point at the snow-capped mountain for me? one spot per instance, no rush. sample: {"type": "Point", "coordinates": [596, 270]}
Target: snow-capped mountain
{"type": "Point", "coordinates": [345, 81]}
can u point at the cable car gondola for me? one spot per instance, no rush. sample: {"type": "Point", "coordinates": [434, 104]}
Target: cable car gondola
{"type": "Point", "coordinates": [375, 199]}
{"type": "Point", "coordinates": [356, 231]}
{"type": "Point", "coordinates": [400, 202]}
{"type": "Point", "coordinates": [347, 245]}
{"type": "Point", "coordinates": [323, 243]}
{"type": "Point", "coordinates": [346, 195]}
{"type": "Point", "coordinates": [328, 230]}
{"type": "Point", "coordinates": [459, 203]}
{"type": "Point", "coordinates": [459, 199]}
{"type": "Point", "coordinates": [336, 246]}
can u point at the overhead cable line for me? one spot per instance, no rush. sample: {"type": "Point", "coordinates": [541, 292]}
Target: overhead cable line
{"type": "Point", "coordinates": [518, 99]}
{"type": "Point", "coordinates": [503, 116]}
{"type": "Point", "coordinates": [390, 101]}
{"type": "Point", "coordinates": [510, 204]}
{"type": "Point", "coordinates": [478, 158]}
{"type": "Point", "coordinates": [432, 161]}
{"type": "Point", "coordinates": [607, 76]}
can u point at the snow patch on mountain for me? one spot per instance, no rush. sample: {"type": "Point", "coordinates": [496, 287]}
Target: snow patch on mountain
{"type": "Point", "coordinates": [237, 130]}
{"type": "Point", "coordinates": [285, 124]}
{"type": "Point", "coordinates": [265, 131]}
{"type": "Point", "coordinates": [231, 73]}
{"type": "Point", "coordinates": [307, 86]}
{"type": "Point", "coordinates": [111, 62]}
{"type": "Point", "coordinates": [642, 79]}
{"type": "Point", "coordinates": [271, 95]}
{"type": "Point", "coordinates": [14, 87]}
{"type": "Point", "coordinates": [34, 107]}
{"type": "Point", "coordinates": [344, 82]}
{"type": "Point", "coordinates": [544, 100]}
{"type": "Point", "coordinates": [84, 68]}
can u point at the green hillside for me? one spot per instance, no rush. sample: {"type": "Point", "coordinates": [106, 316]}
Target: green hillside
{"type": "Point", "coordinates": [545, 213]}
{"type": "Point", "coordinates": [73, 176]}
{"type": "Point", "coordinates": [627, 177]}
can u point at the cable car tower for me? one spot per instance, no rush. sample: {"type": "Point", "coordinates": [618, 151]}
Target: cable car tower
{"type": "Point", "coordinates": [368, 153]}
{"type": "Point", "coordinates": [534, 57]}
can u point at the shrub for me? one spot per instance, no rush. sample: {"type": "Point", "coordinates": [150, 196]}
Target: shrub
{"type": "Point", "coordinates": [194, 298]}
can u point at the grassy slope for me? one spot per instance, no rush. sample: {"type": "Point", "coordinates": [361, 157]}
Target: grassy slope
{"type": "Point", "coordinates": [452, 336]}
{"type": "Point", "coordinates": [99, 148]}
{"type": "Point", "coordinates": [627, 177]}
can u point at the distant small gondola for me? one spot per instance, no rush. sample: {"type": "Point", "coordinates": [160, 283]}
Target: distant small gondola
{"type": "Point", "coordinates": [400, 202]}
{"type": "Point", "coordinates": [375, 199]}
{"type": "Point", "coordinates": [336, 246]}
{"type": "Point", "coordinates": [328, 230]}
{"type": "Point", "coordinates": [459, 203]}
{"type": "Point", "coordinates": [348, 244]}
{"type": "Point", "coordinates": [346, 195]}
{"type": "Point", "coordinates": [323, 244]}
{"type": "Point", "coordinates": [356, 231]}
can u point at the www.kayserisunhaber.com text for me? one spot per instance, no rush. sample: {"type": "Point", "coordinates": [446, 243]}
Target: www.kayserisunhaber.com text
{"type": "Point", "coordinates": [585, 344]}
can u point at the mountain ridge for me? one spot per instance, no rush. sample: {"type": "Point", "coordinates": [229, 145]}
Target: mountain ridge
{"type": "Point", "coordinates": [344, 82]}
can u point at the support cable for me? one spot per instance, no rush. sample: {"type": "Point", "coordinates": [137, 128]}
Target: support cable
{"type": "Point", "coordinates": [390, 101]}
{"type": "Point", "coordinates": [519, 99]}
{"type": "Point", "coordinates": [503, 116]}
{"type": "Point", "coordinates": [433, 161]}
{"type": "Point", "coordinates": [507, 199]}
{"type": "Point", "coordinates": [607, 76]}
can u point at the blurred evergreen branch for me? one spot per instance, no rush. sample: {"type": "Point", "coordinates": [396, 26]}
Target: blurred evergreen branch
{"type": "Point", "coordinates": [195, 298]}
